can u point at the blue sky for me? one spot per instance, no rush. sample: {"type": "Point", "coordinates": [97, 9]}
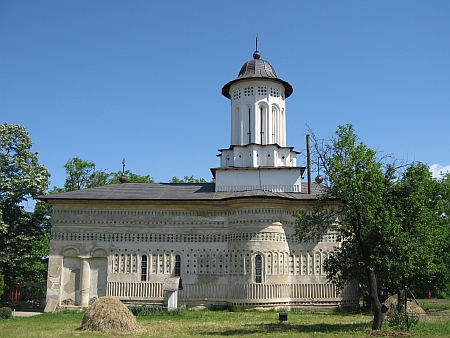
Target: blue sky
{"type": "Point", "coordinates": [141, 80]}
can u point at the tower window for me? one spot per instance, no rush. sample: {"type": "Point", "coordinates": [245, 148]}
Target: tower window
{"type": "Point", "coordinates": [249, 126]}
{"type": "Point", "coordinates": [262, 91]}
{"type": "Point", "coordinates": [248, 91]}
{"type": "Point", "coordinates": [275, 92]}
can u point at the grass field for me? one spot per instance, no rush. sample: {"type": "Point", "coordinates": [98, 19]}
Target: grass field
{"type": "Point", "coordinates": [233, 324]}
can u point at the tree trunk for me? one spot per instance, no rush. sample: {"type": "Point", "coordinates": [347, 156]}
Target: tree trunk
{"type": "Point", "coordinates": [378, 309]}
{"type": "Point", "coordinates": [378, 313]}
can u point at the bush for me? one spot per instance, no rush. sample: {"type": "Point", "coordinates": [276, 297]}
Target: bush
{"type": "Point", "coordinates": [145, 310]}
{"type": "Point", "coordinates": [401, 321]}
{"type": "Point", "coordinates": [5, 312]}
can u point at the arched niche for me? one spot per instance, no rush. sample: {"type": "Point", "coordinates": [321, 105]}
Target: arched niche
{"type": "Point", "coordinates": [96, 253]}
{"type": "Point", "coordinates": [70, 252]}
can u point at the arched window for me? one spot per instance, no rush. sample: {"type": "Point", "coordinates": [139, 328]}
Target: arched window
{"type": "Point", "coordinates": [122, 263]}
{"type": "Point", "coordinates": [264, 130]}
{"type": "Point", "coordinates": [249, 126]}
{"type": "Point", "coordinates": [144, 268]}
{"type": "Point", "coordinates": [261, 125]}
{"type": "Point", "coordinates": [275, 125]}
{"type": "Point", "coordinates": [177, 266]}
{"type": "Point", "coordinates": [236, 127]}
{"type": "Point", "coordinates": [239, 162]}
{"type": "Point", "coordinates": [258, 269]}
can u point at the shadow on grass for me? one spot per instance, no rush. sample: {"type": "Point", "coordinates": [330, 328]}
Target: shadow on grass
{"type": "Point", "coordinates": [286, 327]}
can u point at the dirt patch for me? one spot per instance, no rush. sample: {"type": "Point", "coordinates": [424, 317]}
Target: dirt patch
{"type": "Point", "coordinates": [108, 314]}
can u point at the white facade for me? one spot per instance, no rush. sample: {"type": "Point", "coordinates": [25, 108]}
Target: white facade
{"type": "Point", "coordinates": [267, 179]}
{"type": "Point", "coordinates": [232, 242]}
{"type": "Point", "coordinates": [228, 252]}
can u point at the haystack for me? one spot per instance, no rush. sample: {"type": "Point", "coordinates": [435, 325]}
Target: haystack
{"type": "Point", "coordinates": [412, 307]}
{"type": "Point", "coordinates": [108, 314]}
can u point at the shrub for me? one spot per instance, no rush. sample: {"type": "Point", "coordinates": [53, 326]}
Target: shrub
{"type": "Point", "coordinates": [5, 312]}
{"type": "Point", "coordinates": [402, 321]}
{"type": "Point", "coordinates": [145, 310]}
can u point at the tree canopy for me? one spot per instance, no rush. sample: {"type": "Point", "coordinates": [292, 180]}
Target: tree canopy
{"type": "Point", "coordinates": [391, 218]}
{"type": "Point", "coordinates": [23, 235]}
{"type": "Point", "coordinates": [187, 179]}
{"type": "Point", "coordinates": [82, 174]}
{"type": "Point", "coordinates": [114, 178]}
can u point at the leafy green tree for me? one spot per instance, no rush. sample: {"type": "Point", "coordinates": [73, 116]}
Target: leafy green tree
{"type": "Point", "coordinates": [391, 227]}
{"type": "Point", "coordinates": [424, 206]}
{"type": "Point", "coordinates": [22, 234]}
{"type": "Point", "coordinates": [187, 179]}
{"type": "Point", "coordinates": [419, 203]}
{"type": "Point", "coordinates": [80, 174]}
{"type": "Point", "coordinates": [98, 179]}
{"type": "Point", "coordinates": [356, 180]}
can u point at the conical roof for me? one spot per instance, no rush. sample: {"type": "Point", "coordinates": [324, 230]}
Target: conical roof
{"type": "Point", "coordinates": [257, 69]}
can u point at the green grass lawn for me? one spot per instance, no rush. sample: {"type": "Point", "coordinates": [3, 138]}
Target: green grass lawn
{"type": "Point", "coordinates": [435, 306]}
{"type": "Point", "coordinates": [226, 324]}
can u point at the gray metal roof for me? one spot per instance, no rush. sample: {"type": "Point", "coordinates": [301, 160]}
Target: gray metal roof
{"type": "Point", "coordinates": [257, 69]}
{"type": "Point", "coordinates": [173, 191]}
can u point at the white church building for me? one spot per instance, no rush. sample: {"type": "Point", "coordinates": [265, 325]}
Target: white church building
{"type": "Point", "coordinates": [232, 242]}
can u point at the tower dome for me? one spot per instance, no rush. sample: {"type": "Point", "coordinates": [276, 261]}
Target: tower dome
{"type": "Point", "coordinates": [257, 69]}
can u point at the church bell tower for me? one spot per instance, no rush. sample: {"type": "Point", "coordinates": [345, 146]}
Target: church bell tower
{"type": "Point", "coordinates": [258, 158]}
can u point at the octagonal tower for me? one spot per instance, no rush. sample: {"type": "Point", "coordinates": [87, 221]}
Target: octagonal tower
{"type": "Point", "coordinates": [258, 158]}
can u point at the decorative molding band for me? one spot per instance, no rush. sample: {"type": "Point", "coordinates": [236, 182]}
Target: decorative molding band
{"type": "Point", "coordinates": [152, 213]}
{"type": "Point", "coordinates": [266, 187]}
{"type": "Point", "coordinates": [183, 238]}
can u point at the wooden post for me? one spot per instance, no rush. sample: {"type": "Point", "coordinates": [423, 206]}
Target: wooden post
{"type": "Point", "coordinates": [308, 158]}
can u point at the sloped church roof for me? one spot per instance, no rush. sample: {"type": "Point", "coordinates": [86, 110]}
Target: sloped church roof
{"type": "Point", "coordinates": [173, 191]}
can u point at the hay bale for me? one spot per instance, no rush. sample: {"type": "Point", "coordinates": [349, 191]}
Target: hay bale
{"type": "Point", "coordinates": [108, 314]}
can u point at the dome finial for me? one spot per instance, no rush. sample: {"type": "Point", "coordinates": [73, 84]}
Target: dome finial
{"type": "Point", "coordinates": [256, 54]}
{"type": "Point", "coordinates": [123, 178]}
